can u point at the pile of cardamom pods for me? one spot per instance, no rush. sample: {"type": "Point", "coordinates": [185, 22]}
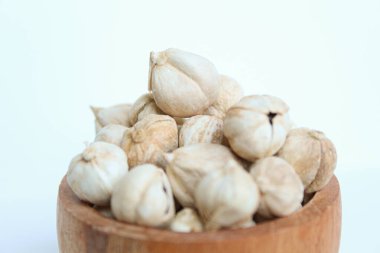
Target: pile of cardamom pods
{"type": "Point", "coordinates": [194, 154]}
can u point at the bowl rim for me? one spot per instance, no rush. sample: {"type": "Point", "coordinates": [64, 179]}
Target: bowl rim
{"type": "Point", "coordinates": [88, 215]}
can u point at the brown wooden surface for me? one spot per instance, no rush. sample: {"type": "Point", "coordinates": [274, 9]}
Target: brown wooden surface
{"type": "Point", "coordinates": [313, 229]}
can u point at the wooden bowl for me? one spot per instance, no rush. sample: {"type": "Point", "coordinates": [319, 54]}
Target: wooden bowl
{"type": "Point", "coordinates": [313, 229]}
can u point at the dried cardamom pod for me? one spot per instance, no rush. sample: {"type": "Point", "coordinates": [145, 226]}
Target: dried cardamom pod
{"type": "Point", "coordinates": [227, 197]}
{"type": "Point", "coordinates": [93, 174]}
{"type": "Point", "coordinates": [143, 106]}
{"type": "Point", "coordinates": [117, 114]}
{"type": "Point", "coordinates": [144, 197]}
{"type": "Point", "coordinates": [188, 165]}
{"type": "Point", "coordinates": [187, 220]}
{"type": "Point", "coordinates": [111, 133]}
{"type": "Point", "coordinates": [312, 155]}
{"type": "Point", "coordinates": [230, 93]}
{"type": "Point", "coordinates": [183, 84]}
{"type": "Point", "coordinates": [256, 126]}
{"type": "Point", "coordinates": [201, 129]}
{"type": "Point", "coordinates": [149, 138]}
{"type": "Point", "coordinates": [280, 187]}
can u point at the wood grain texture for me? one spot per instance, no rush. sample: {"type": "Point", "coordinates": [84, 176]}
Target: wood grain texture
{"type": "Point", "coordinates": [314, 229]}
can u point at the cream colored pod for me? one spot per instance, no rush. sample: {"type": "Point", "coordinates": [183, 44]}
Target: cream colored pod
{"type": "Point", "coordinates": [280, 187]}
{"type": "Point", "coordinates": [230, 93]}
{"type": "Point", "coordinates": [188, 165]}
{"type": "Point", "coordinates": [227, 197]}
{"type": "Point", "coordinates": [187, 220]}
{"type": "Point", "coordinates": [201, 129]}
{"type": "Point", "coordinates": [144, 197]}
{"type": "Point", "coordinates": [143, 106]}
{"type": "Point", "coordinates": [149, 139]}
{"type": "Point", "coordinates": [111, 133]}
{"type": "Point", "coordinates": [256, 126]}
{"type": "Point", "coordinates": [117, 114]}
{"type": "Point", "coordinates": [93, 174]}
{"type": "Point", "coordinates": [312, 155]}
{"type": "Point", "coordinates": [183, 84]}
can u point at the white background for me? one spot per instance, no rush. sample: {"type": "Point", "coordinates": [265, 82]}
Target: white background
{"type": "Point", "coordinates": [59, 57]}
